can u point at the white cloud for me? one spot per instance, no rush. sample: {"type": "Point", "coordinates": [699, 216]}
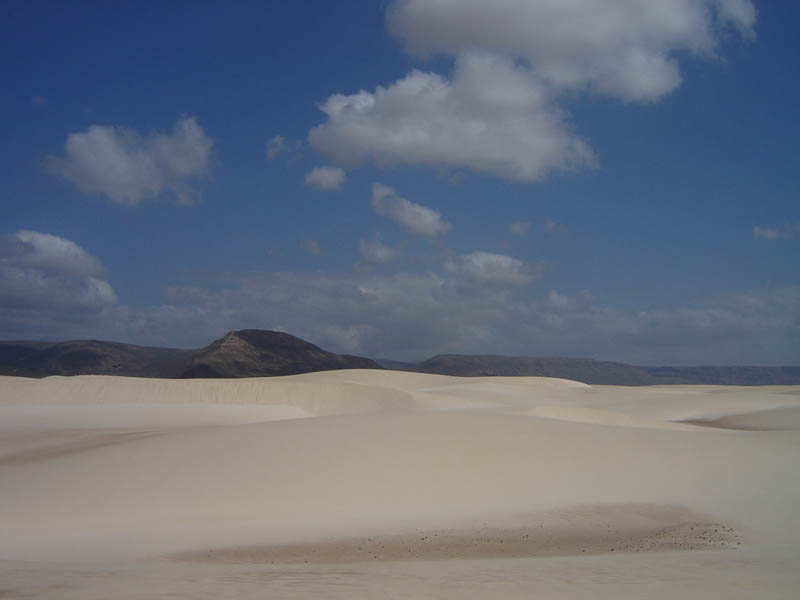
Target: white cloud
{"type": "Point", "coordinates": [373, 251]}
{"type": "Point", "coordinates": [771, 233]}
{"type": "Point", "coordinates": [621, 48]}
{"type": "Point", "coordinates": [128, 167]}
{"type": "Point", "coordinates": [492, 117]}
{"type": "Point", "coordinates": [414, 316]}
{"type": "Point", "coordinates": [325, 178]}
{"type": "Point", "coordinates": [414, 218]}
{"type": "Point", "coordinates": [49, 253]}
{"type": "Point", "coordinates": [487, 268]}
{"type": "Point", "coordinates": [740, 13]}
{"type": "Point", "coordinates": [481, 303]}
{"type": "Point", "coordinates": [43, 275]}
{"type": "Point", "coordinates": [498, 111]}
{"type": "Point", "coordinates": [400, 315]}
{"type": "Point", "coordinates": [311, 246]}
{"type": "Point", "coordinates": [520, 228]}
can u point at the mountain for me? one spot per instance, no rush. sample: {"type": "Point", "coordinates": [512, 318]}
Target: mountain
{"type": "Point", "coordinates": [578, 369]}
{"type": "Point", "coordinates": [246, 353]}
{"type": "Point", "coordinates": [85, 357]}
{"type": "Point", "coordinates": [727, 375]}
{"type": "Point", "coordinates": [259, 353]}
{"type": "Point", "coordinates": [597, 372]}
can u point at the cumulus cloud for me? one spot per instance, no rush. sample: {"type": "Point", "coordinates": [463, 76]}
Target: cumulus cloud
{"type": "Point", "coordinates": [325, 178]}
{"type": "Point", "coordinates": [374, 252]}
{"type": "Point", "coordinates": [44, 277]}
{"type": "Point", "coordinates": [491, 117]}
{"type": "Point", "coordinates": [520, 228]}
{"type": "Point", "coordinates": [776, 233]}
{"type": "Point", "coordinates": [487, 268]}
{"type": "Point", "coordinates": [498, 112]}
{"type": "Point", "coordinates": [414, 218]}
{"type": "Point", "coordinates": [128, 167]}
{"type": "Point", "coordinates": [618, 48]}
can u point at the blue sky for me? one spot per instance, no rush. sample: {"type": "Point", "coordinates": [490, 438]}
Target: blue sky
{"type": "Point", "coordinates": [615, 179]}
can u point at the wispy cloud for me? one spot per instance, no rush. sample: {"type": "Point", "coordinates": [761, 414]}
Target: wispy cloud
{"type": "Point", "coordinates": [493, 270]}
{"type": "Point", "coordinates": [520, 228]}
{"type": "Point", "coordinates": [555, 227]}
{"type": "Point", "coordinates": [312, 247]}
{"type": "Point", "coordinates": [788, 231]}
{"type": "Point", "coordinates": [276, 253]}
{"type": "Point", "coordinates": [279, 145]}
{"type": "Point", "coordinates": [414, 316]}
{"type": "Point", "coordinates": [415, 218]}
{"type": "Point", "coordinates": [478, 302]}
{"type": "Point", "coordinates": [375, 252]}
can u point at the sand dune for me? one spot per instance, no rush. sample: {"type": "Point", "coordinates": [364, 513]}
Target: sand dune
{"type": "Point", "coordinates": [381, 468]}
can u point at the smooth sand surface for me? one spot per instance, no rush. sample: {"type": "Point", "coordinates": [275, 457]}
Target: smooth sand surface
{"type": "Point", "coordinates": [357, 484]}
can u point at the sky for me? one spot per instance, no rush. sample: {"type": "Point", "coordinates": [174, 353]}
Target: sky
{"type": "Point", "coordinates": [609, 179]}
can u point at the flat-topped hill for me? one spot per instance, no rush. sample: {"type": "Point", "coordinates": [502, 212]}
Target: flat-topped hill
{"type": "Point", "coordinates": [259, 353]}
{"type": "Point", "coordinates": [245, 353]}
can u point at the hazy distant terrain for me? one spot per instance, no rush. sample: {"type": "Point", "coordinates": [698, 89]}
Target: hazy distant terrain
{"type": "Point", "coordinates": [84, 357]}
{"type": "Point", "coordinates": [245, 353]}
{"type": "Point", "coordinates": [260, 353]}
{"type": "Point", "coordinates": [598, 372]}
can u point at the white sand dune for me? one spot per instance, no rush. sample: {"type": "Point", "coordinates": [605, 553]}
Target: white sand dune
{"type": "Point", "coordinates": [329, 483]}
